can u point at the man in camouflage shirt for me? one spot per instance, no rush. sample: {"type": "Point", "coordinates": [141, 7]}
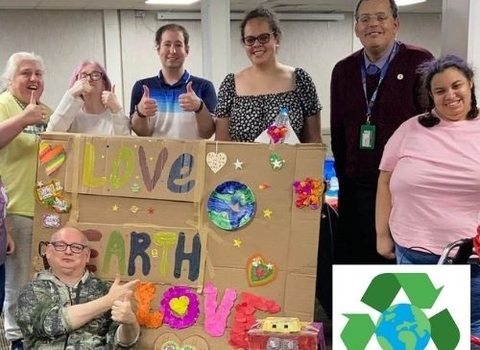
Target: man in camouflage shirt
{"type": "Point", "coordinates": [67, 307]}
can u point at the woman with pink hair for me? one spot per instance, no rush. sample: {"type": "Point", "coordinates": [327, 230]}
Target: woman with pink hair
{"type": "Point", "coordinates": [90, 106]}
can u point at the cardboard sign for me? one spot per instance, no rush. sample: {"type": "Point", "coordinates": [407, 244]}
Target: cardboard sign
{"type": "Point", "coordinates": [217, 242]}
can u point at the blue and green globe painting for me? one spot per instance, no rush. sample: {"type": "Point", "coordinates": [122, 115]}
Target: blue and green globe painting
{"type": "Point", "coordinates": [231, 205]}
{"type": "Point", "coordinates": [403, 327]}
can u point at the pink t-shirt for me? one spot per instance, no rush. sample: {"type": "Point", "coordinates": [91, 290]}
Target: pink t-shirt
{"type": "Point", "coordinates": [435, 183]}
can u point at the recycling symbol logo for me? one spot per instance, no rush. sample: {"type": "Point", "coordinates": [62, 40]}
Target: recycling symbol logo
{"type": "Point", "coordinates": [401, 326]}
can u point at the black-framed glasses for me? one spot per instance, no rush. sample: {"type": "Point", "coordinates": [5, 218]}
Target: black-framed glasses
{"type": "Point", "coordinates": [95, 75]}
{"type": "Point", "coordinates": [61, 246]}
{"type": "Point", "coordinates": [263, 38]}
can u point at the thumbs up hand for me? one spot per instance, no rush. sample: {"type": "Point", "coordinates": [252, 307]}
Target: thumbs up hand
{"type": "Point", "coordinates": [120, 295]}
{"type": "Point", "coordinates": [122, 310]}
{"type": "Point", "coordinates": [34, 113]}
{"type": "Point", "coordinates": [109, 100]}
{"type": "Point", "coordinates": [189, 101]}
{"type": "Point", "coordinates": [147, 106]}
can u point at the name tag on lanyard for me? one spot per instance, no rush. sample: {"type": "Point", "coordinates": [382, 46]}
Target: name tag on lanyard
{"type": "Point", "coordinates": [367, 130]}
{"type": "Point", "coordinates": [367, 136]}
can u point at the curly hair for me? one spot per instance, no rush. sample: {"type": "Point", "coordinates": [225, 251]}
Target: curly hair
{"type": "Point", "coordinates": [427, 71]}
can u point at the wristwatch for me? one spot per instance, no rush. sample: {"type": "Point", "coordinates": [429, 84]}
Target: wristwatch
{"type": "Point", "coordinates": [200, 108]}
{"type": "Point", "coordinates": [138, 112]}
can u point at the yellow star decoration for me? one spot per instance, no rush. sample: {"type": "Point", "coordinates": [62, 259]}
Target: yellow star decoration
{"type": "Point", "coordinates": [267, 213]}
{"type": "Point", "coordinates": [115, 207]}
{"type": "Point", "coordinates": [237, 243]}
{"type": "Point", "coordinates": [134, 209]}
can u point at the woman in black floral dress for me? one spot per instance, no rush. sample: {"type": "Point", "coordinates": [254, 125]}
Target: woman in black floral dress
{"type": "Point", "coordinates": [249, 100]}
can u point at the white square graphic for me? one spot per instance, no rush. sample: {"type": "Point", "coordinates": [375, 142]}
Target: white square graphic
{"type": "Point", "coordinates": [401, 305]}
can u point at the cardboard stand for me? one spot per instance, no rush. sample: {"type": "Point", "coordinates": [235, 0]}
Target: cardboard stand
{"type": "Point", "coordinates": [212, 229]}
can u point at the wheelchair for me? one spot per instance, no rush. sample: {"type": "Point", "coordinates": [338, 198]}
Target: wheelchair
{"type": "Point", "coordinates": [465, 254]}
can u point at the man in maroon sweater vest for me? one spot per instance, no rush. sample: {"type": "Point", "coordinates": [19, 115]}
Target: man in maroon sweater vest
{"type": "Point", "coordinates": [367, 104]}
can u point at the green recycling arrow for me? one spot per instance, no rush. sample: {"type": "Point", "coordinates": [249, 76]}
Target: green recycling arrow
{"type": "Point", "coordinates": [443, 339]}
{"type": "Point", "coordinates": [384, 288]}
{"type": "Point", "coordinates": [358, 331]}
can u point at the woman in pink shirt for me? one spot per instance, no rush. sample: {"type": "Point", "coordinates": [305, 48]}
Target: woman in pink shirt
{"type": "Point", "coordinates": [429, 185]}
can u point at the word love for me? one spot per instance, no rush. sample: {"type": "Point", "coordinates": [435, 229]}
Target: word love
{"type": "Point", "coordinates": [118, 169]}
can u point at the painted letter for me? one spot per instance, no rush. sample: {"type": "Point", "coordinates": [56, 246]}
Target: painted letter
{"type": "Point", "coordinates": [193, 257]}
{"type": "Point", "coordinates": [150, 182]}
{"type": "Point", "coordinates": [181, 169]}
{"type": "Point", "coordinates": [139, 243]}
{"type": "Point", "coordinates": [88, 166]}
{"type": "Point", "coordinates": [124, 157]}
{"type": "Point", "coordinates": [115, 246]}
{"type": "Point", "coordinates": [164, 240]}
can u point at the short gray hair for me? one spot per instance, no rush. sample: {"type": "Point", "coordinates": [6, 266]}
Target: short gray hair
{"type": "Point", "coordinates": [13, 63]}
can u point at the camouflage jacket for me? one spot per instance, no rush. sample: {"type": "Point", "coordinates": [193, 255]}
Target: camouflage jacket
{"type": "Point", "coordinates": [42, 317]}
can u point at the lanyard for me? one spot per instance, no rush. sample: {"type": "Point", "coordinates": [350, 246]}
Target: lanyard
{"type": "Point", "coordinates": [383, 72]}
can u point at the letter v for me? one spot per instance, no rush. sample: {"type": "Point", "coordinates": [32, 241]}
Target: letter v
{"type": "Point", "coordinates": [216, 316]}
{"type": "Point", "coordinates": [150, 182]}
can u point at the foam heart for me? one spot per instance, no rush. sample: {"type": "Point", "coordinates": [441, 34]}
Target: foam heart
{"type": "Point", "coordinates": [216, 161]}
{"type": "Point", "coordinates": [169, 341]}
{"type": "Point", "coordinates": [260, 271]}
{"type": "Point", "coordinates": [179, 305]}
{"type": "Point", "coordinates": [51, 156]}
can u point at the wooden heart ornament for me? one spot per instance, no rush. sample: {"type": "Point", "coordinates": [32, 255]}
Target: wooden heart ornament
{"type": "Point", "coordinates": [51, 156]}
{"type": "Point", "coordinates": [169, 341]}
{"type": "Point", "coordinates": [216, 161]}
{"type": "Point", "coordinates": [260, 271]}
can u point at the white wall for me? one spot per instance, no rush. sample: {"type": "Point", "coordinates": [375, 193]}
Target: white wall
{"type": "Point", "coordinates": [64, 38]}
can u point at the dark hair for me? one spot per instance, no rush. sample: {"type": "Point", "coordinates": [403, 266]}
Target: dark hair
{"type": "Point", "coordinates": [427, 71]}
{"type": "Point", "coordinates": [173, 27]}
{"type": "Point", "coordinates": [267, 15]}
{"type": "Point", "coordinates": [393, 8]}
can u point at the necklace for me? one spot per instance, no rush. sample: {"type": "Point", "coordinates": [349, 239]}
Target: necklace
{"type": "Point", "coordinates": [20, 103]}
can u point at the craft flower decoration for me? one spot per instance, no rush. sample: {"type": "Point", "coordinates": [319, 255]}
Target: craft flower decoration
{"type": "Point", "coordinates": [277, 132]}
{"type": "Point", "coordinates": [180, 307]}
{"type": "Point", "coordinates": [309, 192]}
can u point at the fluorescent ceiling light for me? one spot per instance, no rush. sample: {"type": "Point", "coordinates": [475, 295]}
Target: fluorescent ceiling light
{"type": "Point", "coordinates": [238, 16]}
{"type": "Point", "coordinates": [409, 2]}
{"type": "Point", "coordinates": [170, 2]}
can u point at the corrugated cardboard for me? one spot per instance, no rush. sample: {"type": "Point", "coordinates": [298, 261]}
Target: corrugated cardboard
{"type": "Point", "coordinates": [125, 188]}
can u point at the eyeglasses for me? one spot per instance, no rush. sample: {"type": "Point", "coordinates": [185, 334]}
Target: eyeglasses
{"type": "Point", "coordinates": [95, 75]}
{"type": "Point", "coordinates": [263, 38]}
{"type": "Point", "coordinates": [378, 17]}
{"type": "Point", "coordinates": [61, 246]}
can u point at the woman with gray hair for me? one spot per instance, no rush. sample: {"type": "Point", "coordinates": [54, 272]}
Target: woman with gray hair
{"type": "Point", "coordinates": [90, 105]}
{"type": "Point", "coordinates": [22, 118]}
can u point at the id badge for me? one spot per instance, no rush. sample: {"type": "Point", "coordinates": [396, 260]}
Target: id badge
{"type": "Point", "coordinates": [367, 136]}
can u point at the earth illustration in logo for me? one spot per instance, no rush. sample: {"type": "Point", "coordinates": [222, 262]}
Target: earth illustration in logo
{"type": "Point", "coordinates": [403, 326]}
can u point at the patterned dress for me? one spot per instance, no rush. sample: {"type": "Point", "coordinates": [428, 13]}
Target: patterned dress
{"type": "Point", "coordinates": [250, 115]}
